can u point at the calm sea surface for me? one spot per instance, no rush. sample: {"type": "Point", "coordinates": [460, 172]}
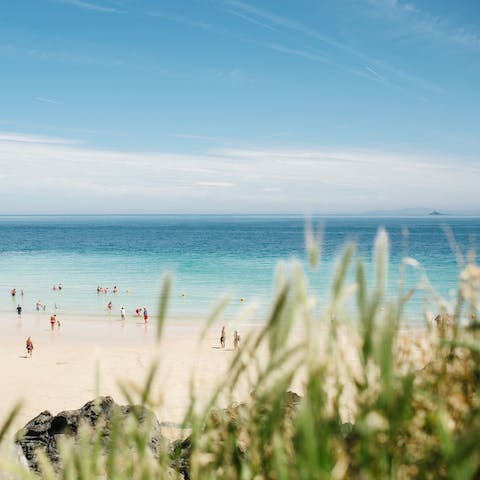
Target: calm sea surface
{"type": "Point", "coordinates": [208, 255]}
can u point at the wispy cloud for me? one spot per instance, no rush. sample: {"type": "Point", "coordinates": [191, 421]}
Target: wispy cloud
{"type": "Point", "coordinates": [283, 22]}
{"type": "Point", "coordinates": [225, 180]}
{"type": "Point", "coordinates": [252, 20]}
{"type": "Point", "coordinates": [48, 100]}
{"type": "Point", "coordinates": [90, 6]}
{"type": "Point", "coordinates": [357, 58]}
{"type": "Point", "coordinates": [29, 138]}
{"type": "Point", "coordinates": [214, 184]}
{"type": "Point", "coordinates": [296, 52]}
{"type": "Point", "coordinates": [374, 73]}
{"type": "Point", "coordinates": [424, 24]}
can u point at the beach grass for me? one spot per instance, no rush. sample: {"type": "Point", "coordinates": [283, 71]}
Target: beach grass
{"type": "Point", "coordinates": [377, 401]}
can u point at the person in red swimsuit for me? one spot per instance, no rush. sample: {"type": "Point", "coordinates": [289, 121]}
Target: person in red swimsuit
{"type": "Point", "coordinates": [29, 346]}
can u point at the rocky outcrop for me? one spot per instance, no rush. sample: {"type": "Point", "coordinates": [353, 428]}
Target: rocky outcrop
{"type": "Point", "coordinates": [44, 431]}
{"type": "Point", "coordinates": [231, 420]}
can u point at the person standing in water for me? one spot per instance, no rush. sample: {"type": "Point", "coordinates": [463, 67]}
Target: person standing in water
{"type": "Point", "coordinates": [19, 310]}
{"type": "Point", "coordinates": [122, 313]}
{"type": "Point", "coordinates": [145, 315]}
{"type": "Point", "coordinates": [53, 319]}
{"type": "Point", "coordinates": [29, 346]}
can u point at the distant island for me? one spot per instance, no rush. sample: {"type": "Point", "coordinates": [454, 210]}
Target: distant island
{"type": "Point", "coordinates": [436, 212]}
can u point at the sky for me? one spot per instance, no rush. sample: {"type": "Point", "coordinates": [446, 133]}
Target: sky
{"type": "Point", "coordinates": [233, 106]}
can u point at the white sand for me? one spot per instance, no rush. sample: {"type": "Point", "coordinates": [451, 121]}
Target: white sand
{"type": "Point", "coordinates": [60, 375]}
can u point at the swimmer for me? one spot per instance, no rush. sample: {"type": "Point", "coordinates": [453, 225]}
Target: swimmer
{"type": "Point", "coordinates": [115, 289]}
{"type": "Point", "coordinates": [222, 337]}
{"type": "Point", "coordinates": [29, 346]}
{"type": "Point", "coordinates": [110, 305]}
{"type": "Point", "coordinates": [13, 292]}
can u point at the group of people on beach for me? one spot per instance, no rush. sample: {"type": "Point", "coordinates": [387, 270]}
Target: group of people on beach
{"type": "Point", "coordinates": [223, 336]}
{"type": "Point", "coordinates": [142, 311]}
{"type": "Point", "coordinates": [139, 312]}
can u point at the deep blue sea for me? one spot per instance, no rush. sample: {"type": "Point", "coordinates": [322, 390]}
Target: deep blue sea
{"type": "Point", "coordinates": [209, 256]}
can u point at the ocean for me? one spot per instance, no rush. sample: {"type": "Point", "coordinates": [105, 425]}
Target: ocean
{"type": "Point", "coordinates": [209, 256]}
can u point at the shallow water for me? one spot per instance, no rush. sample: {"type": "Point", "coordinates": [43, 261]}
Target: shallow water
{"type": "Point", "coordinates": [209, 256]}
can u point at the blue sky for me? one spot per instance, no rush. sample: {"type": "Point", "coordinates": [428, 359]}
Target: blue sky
{"type": "Point", "coordinates": [142, 106]}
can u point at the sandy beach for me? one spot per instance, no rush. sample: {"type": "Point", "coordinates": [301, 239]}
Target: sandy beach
{"type": "Point", "coordinates": [61, 374]}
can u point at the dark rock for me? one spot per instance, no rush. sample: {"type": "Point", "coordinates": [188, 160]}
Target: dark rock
{"type": "Point", "coordinates": [44, 431]}
{"type": "Point", "coordinates": [230, 419]}
{"type": "Point", "coordinates": [180, 452]}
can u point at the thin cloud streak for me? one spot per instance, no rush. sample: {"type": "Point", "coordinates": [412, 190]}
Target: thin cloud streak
{"type": "Point", "coordinates": [89, 6]}
{"type": "Point", "coordinates": [28, 138]}
{"type": "Point", "coordinates": [215, 184]}
{"type": "Point", "coordinates": [48, 100]}
{"type": "Point", "coordinates": [296, 52]}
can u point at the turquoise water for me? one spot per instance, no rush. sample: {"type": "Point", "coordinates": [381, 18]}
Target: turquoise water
{"type": "Point", "coordinates": [208, 255]}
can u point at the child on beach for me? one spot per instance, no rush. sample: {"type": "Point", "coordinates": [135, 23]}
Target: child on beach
{"type": "Point", "coordinates": [236, 340]}
{"type": "Point", "coordinates": [29, 346]}
{"type": "Point", "coordinates": [222, 337]}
